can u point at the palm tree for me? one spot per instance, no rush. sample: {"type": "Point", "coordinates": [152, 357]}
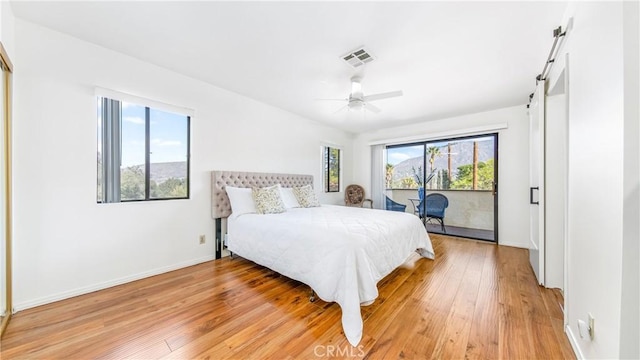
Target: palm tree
{"type": "Point", "coordinates": [433, 152]}
{"type": "Point", "coordinates": [389, 175]}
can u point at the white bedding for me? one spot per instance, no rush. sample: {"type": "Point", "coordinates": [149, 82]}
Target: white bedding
{"type": "Point", "coordinates": [340, 252]}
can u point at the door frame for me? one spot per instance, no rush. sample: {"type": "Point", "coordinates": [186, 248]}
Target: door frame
{"type": "Point", "coordinates": [495, 187]}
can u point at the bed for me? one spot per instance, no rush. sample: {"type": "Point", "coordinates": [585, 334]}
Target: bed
{"type": "Point", "coordinates": [340, 252]}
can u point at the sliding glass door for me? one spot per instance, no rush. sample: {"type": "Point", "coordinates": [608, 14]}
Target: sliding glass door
{"type": "Point", "coordinates": [450, 184]}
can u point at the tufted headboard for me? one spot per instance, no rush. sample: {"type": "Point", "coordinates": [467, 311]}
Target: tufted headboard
{"type": "Point", "coordinates": [220, 205]}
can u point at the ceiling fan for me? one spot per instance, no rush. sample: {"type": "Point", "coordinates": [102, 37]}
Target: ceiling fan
{"type": "Point", "coordinates": [358, 101]}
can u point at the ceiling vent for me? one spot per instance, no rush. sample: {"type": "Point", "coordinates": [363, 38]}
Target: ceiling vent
{"type": "Point", "coordinates": [358, 57]}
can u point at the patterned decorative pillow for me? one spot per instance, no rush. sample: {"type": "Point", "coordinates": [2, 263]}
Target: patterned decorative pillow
{"type": "Point", "coordinates": [306, 196]}
{"type": "Point", "coordinates": [268, 200]}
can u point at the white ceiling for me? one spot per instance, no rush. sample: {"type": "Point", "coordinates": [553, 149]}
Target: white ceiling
{"type": "Point", "coordinates": [449, 58]}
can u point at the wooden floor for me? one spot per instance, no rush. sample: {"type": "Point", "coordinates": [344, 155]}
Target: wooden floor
{"type": "Point", "coordinates": [476, 301]}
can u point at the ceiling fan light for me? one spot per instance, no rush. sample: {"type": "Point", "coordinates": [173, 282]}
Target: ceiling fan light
{"type": "Point", "coordinates": [357, 105]}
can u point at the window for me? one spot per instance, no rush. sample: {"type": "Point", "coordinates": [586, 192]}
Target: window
{"type": "Point", "coordinates": [143, 152]}
{"type": "Point", "coordinates": [404, 167]}
{"type": "Point", "coordinates": [331, 167]}
{"type": "Point", "coordinates": [456, 164]}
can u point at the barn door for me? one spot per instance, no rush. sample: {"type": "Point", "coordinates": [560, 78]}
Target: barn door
{"type": "Point", "coordinates": [536, 181]}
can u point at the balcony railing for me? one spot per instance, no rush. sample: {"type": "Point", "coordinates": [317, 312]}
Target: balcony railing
{"type": "Point", "coordinates": [467, 208]}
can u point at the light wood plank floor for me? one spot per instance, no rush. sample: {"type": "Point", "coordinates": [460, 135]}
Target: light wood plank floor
{"type": "Point", "coordinates": [476, 301]}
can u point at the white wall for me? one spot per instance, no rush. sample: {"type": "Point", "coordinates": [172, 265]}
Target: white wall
{"type": "Point", "coordinates": [599, 201]}
{"type": "Point", "coordinates": [65, 243]}
{"type": "Point", "coordinates": [6, 27]}
{"type": "Point", "coordinates": [513, 161]}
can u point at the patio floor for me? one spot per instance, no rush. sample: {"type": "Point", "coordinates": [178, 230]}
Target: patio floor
{"type": "Point", "coordinates": [479, 234]}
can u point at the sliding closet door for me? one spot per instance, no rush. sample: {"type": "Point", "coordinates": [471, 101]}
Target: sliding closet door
{"type": "Point", "coordinates": [536, 181]}
{"type": "Point", "coordinates": [5, 191]}
{"type": "Point", "coordinates": [3, 206]}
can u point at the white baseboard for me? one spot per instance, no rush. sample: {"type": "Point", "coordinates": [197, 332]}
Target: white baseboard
{"type": "Point", "coordinates": [574, 342]}
{"type": "Point", "coordinates": [512, 244]}
{"type": "Point", "coordinates": [107, 284]}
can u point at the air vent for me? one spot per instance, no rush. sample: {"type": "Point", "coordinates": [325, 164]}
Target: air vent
{"type": "Point", "coordinates": [358, 57]}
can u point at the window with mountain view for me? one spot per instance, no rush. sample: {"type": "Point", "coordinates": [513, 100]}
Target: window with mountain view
{"type": "Point", "coordinates": [331, 166]}
{"type": "Point", "coordinates": [460, 164]}
{"type": "Point", "coordinates": [143, 152]}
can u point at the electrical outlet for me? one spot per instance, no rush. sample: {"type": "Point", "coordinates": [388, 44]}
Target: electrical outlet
{"type": "Point", "coordinates": [587, 328]}
{"type": "Point", "coordinates": [203, 239]}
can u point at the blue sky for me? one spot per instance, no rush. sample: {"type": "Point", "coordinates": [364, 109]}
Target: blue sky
{"type": "Point", "coordinates": [399, 154]}
{"type": "Point", "coordinates": [168, 136]}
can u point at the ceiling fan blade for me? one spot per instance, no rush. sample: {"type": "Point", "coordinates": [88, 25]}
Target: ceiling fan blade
{"type": "Point", "coordinates": [383, 95]}
{"type": "Point", "coordinates": [331, 99]}
{"type": "Point", "coordinates": [371, 108]}
{"type": "Point", "coordinates": [342, 108]}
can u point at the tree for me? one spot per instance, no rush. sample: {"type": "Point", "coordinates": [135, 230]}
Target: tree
{"type": "Point", "coordinates": [333, 162]}
{"type": "Point", "coordinates": [433, 152]}
{"type": "Point", "coordinates": [418, 175]}
{"type": "Point", "coordinates": [485, 175]}
{"type": "Point", "coordinates": [464, 181]}
{"type": "Point", "coordinates": [132, 186]}
{"type": "Point", "coordinates": [388, 176]}
{"type": "Point", "coordinates": [132, 183]}
{"type": "Point", "coordinates": [445, 182]}
{"type": "Point", "coordinates": [475, 166]}
{"type": "Point", "coordinates": [171, 188]}
{"type": "Point", "coordinates": [408, 183]}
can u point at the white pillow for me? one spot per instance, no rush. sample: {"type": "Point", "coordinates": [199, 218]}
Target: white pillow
{"type": "Point", "coordinates": [241, 201]}
{"type": "Point", "coordinates": [268, 200]}
{"type": "Point", "coordinates": [306, 196]}
{"type": "Point", "coordinates": [289, 198]}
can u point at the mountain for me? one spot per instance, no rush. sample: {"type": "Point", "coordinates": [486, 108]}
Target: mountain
{"type": "Point", "coordinates": [461, 154]}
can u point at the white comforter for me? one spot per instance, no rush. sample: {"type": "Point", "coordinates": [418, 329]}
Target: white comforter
{"type": "Point", "coordinates": [340, 252]}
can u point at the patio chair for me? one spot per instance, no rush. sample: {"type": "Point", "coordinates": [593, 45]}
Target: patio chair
{"type": "Point", "coordinates": [394, 206]}
{"type": "Point", "coordinates": [436, 206]}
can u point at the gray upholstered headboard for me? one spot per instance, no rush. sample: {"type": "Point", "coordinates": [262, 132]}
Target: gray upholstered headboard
{"type": "Point", "coordinates": [220, 205]}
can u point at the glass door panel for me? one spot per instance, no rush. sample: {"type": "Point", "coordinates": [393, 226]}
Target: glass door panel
{"type": "Point", "coordinates": [459, 180]}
